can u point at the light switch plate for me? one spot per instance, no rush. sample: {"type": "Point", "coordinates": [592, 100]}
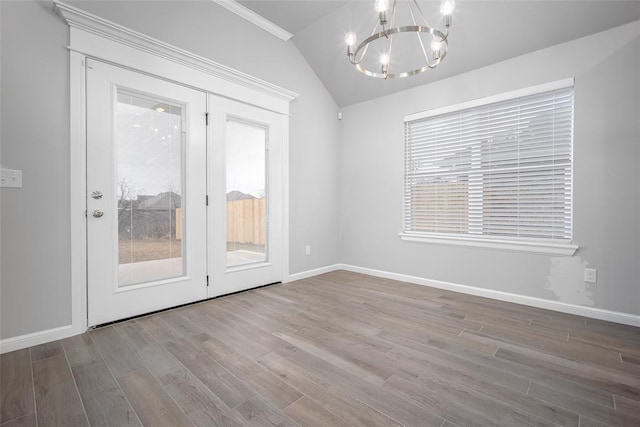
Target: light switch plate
{"type": "Point", "coordinates": [10, 178]}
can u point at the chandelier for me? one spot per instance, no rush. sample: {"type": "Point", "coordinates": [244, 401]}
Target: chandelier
{"type": "Point", "coordinates": [387, 29]}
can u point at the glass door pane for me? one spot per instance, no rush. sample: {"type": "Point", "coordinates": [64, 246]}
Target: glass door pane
{"type": "Point", "coordinates": [246, 166]}
{"type": "Point", "coordinates": [149, 189]}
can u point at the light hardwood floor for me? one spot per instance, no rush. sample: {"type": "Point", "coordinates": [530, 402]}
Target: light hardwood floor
{"type": "Point", "coordinates": [334, 350]}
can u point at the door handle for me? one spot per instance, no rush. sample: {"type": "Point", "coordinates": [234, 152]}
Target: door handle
{"type": "Point", "coordinates": [97, 213]}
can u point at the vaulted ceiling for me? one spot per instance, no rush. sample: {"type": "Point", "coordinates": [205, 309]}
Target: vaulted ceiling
{"type": "Point", "coordinates": [483, 33]}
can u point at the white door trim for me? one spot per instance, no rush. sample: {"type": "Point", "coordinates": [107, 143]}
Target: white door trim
{"type": "Point", "coordinates": [92, 36]}
{"type": "Point", "coordinates": [78, 187]}
{"type": "Point", "coordinates": [106, 40]}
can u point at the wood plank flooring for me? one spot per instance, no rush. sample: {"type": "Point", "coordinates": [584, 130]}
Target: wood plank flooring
{"type": "Point", "coordinates": [334, 350]}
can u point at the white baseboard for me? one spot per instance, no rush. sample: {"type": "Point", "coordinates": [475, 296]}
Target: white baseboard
{"type": "Point", "coordinates": [23, 341]}
{"type": "Point", "coordinates": [314, 272]}
{"type": "Point", "coordinates": [36, 338]}
{"type": "Point", "coordinates": [579, 310]}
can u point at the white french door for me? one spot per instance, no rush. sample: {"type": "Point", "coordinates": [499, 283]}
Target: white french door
{"type": "Point", "coordinates": [172, 218]}
{"type": "Point", "coordinates": [146, 185]}
{"type": "Point", "coordinates": [245, 217]}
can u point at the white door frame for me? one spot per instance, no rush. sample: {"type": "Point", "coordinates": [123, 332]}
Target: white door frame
{"type": "Point", "coordinates": [92, 36]}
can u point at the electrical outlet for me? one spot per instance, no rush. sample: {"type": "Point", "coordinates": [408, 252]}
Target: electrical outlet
{"type": "Point", "coordinates": [307, 250]}
{"type": "Point", "coordinates": [10, 178]}
{"type": "Point", "coordinates": [590, 275]}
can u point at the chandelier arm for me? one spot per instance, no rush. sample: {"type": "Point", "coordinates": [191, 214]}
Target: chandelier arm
{"type": "Point", "coordinates": [393, 23]}
{"type": "Point", "coordinates": [435, 64]}
{"type": "Point", "coordinates": [389, 55]}
{"type": "Point", "coordinates": [364, 52]}
{"type": "Point", "coordinates": [393, 20]}
{"type": "Point", "coordinates": [393, 13]}
{"type": "Point", "coordinates": [445, 34]}
{"type": "Point", "coordinates": [356, 61]}
{"type": "Point", "coordinates": [375, 27]}
{"type": "Point", "coordinates": [403, 29]}
{"type": "Point", "coordinates": [413, 18]}
{"type": "Point", "coordinates": [396, 30]}
{"type": "Point", "coordinates": [421, 13]}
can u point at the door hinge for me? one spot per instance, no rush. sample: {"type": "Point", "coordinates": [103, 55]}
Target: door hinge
{"type": "Point", "coordinates": [206, 119]}
{"type": "Point", "coordinates": [207, 280]}
{"type": "Point", "coordinates": [206, 200]}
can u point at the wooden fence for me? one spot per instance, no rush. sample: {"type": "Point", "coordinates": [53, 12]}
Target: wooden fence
{"type": "Point", "coordinates": [178, 223]}
{"type": "Point", "coordinates": [246, 221]}
{"type": "Point", "coordinates": [444, 201]}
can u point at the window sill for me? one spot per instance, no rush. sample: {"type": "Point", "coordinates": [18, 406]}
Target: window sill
{"type": "Point", "coordinates": [500, 245]}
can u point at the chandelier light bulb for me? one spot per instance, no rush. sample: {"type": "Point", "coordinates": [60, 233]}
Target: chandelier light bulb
{"type": "Point", "coordinates": [382, 6]}
{"type": "Point", "coordinates": [447, 6]}
{"type": "Point", "coordinates": [350, 39]}
{"type": "Point", "coordinates": [384, 61]}
{"type": "Point", "coordinates": [436, 44]}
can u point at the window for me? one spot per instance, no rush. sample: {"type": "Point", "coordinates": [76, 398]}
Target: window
{"type": "Point", "coordinates": [497, 170]}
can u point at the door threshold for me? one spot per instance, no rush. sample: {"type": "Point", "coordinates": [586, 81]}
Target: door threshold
{"type": "Point", "coordinates": [139, 316]}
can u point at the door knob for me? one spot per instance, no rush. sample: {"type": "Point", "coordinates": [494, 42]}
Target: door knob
{"type": "Point", "coordinates": [97, 213]}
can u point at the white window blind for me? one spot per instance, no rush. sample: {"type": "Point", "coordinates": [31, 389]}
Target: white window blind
{"type": "Point", "coordinates": [498, 170]}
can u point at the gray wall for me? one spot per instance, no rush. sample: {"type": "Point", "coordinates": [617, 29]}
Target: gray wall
{"type": "Point", "coordinates": [35, 266]}
{"type": "Point", "coordinates": [34, 221]}
{"type": "Point", "coordinates": [606, 178]}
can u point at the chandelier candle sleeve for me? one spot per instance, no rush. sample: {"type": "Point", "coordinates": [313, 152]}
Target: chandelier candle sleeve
{"type": "Point", "coordinates": [384, 61]}
{"type": "Point", "coordinates": [388, 26]}
{"type": "Point", "coordinates": [381, 7]}
{"type": "Point", "coordinates": [350, 39]}
{"type": "Point", "coordinates": [436, 45]}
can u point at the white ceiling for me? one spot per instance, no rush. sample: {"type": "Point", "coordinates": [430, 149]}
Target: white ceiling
{"type": "Point", "coordinates": [483, 33]}
{"type": "Point", "coordinates": [293, 15]}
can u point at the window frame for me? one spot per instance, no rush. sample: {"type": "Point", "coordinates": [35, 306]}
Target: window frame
{"type": "Point", "coordinates": [504, 243]}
